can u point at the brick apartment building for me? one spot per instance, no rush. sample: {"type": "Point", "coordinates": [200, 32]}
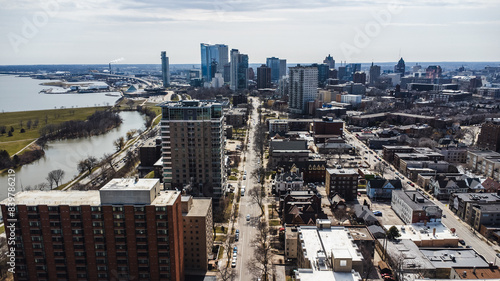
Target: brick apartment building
{"type": "Point", "coordinates": [127, 230]}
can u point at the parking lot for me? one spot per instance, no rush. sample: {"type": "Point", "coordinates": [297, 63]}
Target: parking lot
{"type": "Point", "coordinates": [388, 216]}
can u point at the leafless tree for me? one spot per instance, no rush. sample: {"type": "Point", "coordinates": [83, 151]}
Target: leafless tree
{"type": "Point", "coordinates": [55, 176]}
{"type": "Point", "coordinates": [257, 196]}
{"type": "Point", "coordinates": [119, 143]}
{"type": "Point", "coordinates": [42, 186]}
{"type": "Point", "coordinates": [380, 168]}
{"type": "Point", "coordinates": [107, 158]}
{"type": "Point", "coordinates": [260, 263]}
{"type": "Point", "coordinates": [87, 164]}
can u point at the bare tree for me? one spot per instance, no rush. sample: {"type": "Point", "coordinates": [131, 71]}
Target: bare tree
{"type": "Point", "coordinates": [55, 176]}
{"type": "Point", "coordinates": [119, 143]}
{"type": "Point", "coordinates": [107, 158]}
{"type": "Point", "coordinates": [260, 263]}
{"type": "Point", "coordinates": [380, 168]}
{"type": "Point", "coordinates": [42, 186]}
{"type": "Point", "coordinates": [87, 164]}
{"type": "Point", "coordinates": [257, 196]}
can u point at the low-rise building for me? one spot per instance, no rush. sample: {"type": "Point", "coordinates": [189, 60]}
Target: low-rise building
{"type": "Point", "coordinates": [443, 186]}
{"type": "Point", "coordinates": [381, 189]}
{"type": "Point", "coordinates": [285, 151]}
{"type": "Point", "coordinates": [471, 272]}
{"type": "Point", "coordinates": [432, 234]}
{"type": "Point", "coordinates": [412, 207]}
{"type": "Point", "coordinates": [343, 182]}
{"type": "Point", "coordinates": [484, 162]}
{"type": "Point", "coordinates": [300, 208]}
{"type": "Point", "coordinates": [445, 259]}
{"type": "Point", "coordinates": [236, 117]}
{"type": "Point", "coordinates": [327, 253]}
{"type": "Point", "coordinates": [290, 180]}
{"type": "Point", "coordinates": [462, 203]}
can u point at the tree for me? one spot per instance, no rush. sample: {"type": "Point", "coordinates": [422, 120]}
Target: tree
{"type": "Point", "coordinates": [257, 196]}
{"type": "Point", "coordinates": [393, 233]}
{"type": "Point", "coordinates": [380, 168]}
{"type": "Point", "coordinates": [87, 164]}
{"type": "Point", "coordinates": [107, 158]}
{"type": "Point", "coordinates": [55, 176]}
{"type": "Point", "coordinates": [42, 186]}
{"type": "Point", "coordinates": [130, 134]}
{"type": "Point", "coordinates": [260, 263]}
{"type": "Point", "coordinates": [119, 143]}
{"type": "Point", "coordinates": [28, 124]}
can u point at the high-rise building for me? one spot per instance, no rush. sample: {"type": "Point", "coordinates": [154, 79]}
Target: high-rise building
{"type": "Point", "coordinates": [303, 88]}
{"type": "Point", "coordinates": [193, 147]}
{"type": "Point", "coordinates": [343, 182]}
{"type": "Point", "coordinates": [198, 235]}
{"type": "Point", "coordinates": [489, 137]}
{"type": "Point", "coordinates": [341, 75]}
{"type": "Point", "coordinates": [263, 77]}
{"type": "Point", "coordinates": [128, 228]}
{"type": "Point", "coordinates": [165, 69]}
{"type": "Point", "coordinates": [209, 54]}
{"type": "Point", "coordinates": [239, 70]}
{"type": "Point", "coordinates": [433, 71]}
{"type": "Point", "coordinates": [350, 69]}
{"type": "Point", "coordinates": [400, 67]}
{"type": "Point", "coordinates": [323, 72]}
{"type": "Point", "coordinates": [359, 77]}
{"type": "Point", "coordinates": [329, 61]}
{"type": "Point", "coordinates": [374, 73]}
{"type": "Point", "coordinates": [274, 64]}
{"type": "Point", "coordinates": [283, 68]}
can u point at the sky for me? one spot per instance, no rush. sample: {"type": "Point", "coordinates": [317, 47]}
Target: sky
{"type": "Point", "coordinates": [136, 31]}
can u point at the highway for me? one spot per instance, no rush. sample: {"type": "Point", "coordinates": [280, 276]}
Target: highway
{"type": "Point", "coordinates": [463, 230]}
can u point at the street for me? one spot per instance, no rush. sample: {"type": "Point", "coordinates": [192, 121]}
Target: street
{"type": "Point", "coordinates": [247, 228]}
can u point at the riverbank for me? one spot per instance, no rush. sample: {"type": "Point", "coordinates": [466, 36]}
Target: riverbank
{"type": "Point", "coordinates": [32, 121]}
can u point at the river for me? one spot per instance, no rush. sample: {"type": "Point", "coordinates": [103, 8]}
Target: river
{"type": "Point", "coordinates": [21, 94]}
{"type": "Point", "coordinates": [65, 154]}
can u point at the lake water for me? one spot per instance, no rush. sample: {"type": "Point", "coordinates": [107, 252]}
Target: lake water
{"type": "Point", "coordinates": [22, 94]}
{"type": "Point", "coordinates": [65, 154]}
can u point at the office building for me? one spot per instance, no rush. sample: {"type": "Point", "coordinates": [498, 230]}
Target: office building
{"type": "Point", "coordinates": [197, 219]}
{"type": "Point", "coordinates": [263, 77]}
{"type": "Point", "coordinates": [283, 68]}
{"type": "Point", "coordinates": [303, 88]}
{"type": "Point", "coordinates": [127, 228]}
{"type": "Point", "coordinates": [275, 65]}
{"type": "Point", "coordinates": [213, 53]}
{"type": "Point", "coordinates": [343, 182]}
{"type": "Point", "coordinates": [359, 77]}
{"type": "Point", "coordinates": [350, 69]}
{"type": "Point", "coordinates": [239, 70]}
{"type": "Point", "coordinates": [329, 61]}
{"type": "Point", "coordinates": [400, 67]}
{"type": "Point", "coordinates": [193, 147]}
{"type": "Point", "coordinates": [165, 69]}
{"type": "Point", "coordinates": [323, 73]}
{"type": "Point", "coordinates": [374, 73]}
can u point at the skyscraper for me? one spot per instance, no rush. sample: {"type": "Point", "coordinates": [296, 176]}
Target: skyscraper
{"type": "Point", "coordinates": [127, 228]}
{"type": "Point", "coordinates": [351, 68]}
{"type": "Point", "coordinates": [374, 73]}
{"type": "Point", "coordinates": [209, 54]}
{"type": "Point", "coordinates": [303, 88]}
{"type": "Point", "coordinates": [400, 67]}
{"type": "Point", "coordinates": [193, 147]}
{"type": "Point", "coordinates": [283, 68]}
{"type": "Point", "coordinates": [165, 69]}
{"type": "Point", "coordinates": [274, 64]}
{"type": "Point", "coordinates": [322, 73]}
{"type": "Point", "coordinates": [263, 77]}
{"type": "Point", "coordinates": [329, 61]}
{"type": "Point", "coordinates": [239, 70]}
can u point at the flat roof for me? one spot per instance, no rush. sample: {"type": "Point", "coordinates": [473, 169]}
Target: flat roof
{"type": "Point", "coordinates": [409, 252]}
{"type": "Point", "coordinates": [200, 207]}
{"type": "Point", "coordinates": [460, 257]}
{"type": "Point", "coordinates": [130, 184]}
{"type": "Point", "coordinates": [342, 171]}
{"type": "Point", "coordinates": [189, 103]}
{"type": "Point", "coordinates": [307, 274]}
{"type": "Point", "coordinates": [407, 197]}
{"type": "Point", "coordinates": [77, 198]}
{"type": "Point", "coordinates": [336, 240]}
{"type": "Point", "coordinates": [422, 232]}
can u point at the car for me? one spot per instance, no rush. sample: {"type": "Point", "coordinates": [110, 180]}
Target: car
{"type": "Point", "coordinates": [444, 216]}
{"type": "Point", "coordinates": [237, 237]}
{"type": "Point", "coordinates": [408, 182]}
{"type": "Point", "coordinates": [235, 249]}
{"type": "Point", "coordinates": [377, 213]}
{"type": "Point", "coordinates": [237, 231]}
{"type": "Point", "coordinates": [244, 177]}
{"type": "Point", "coordinates": [461, 241]}
{"type": "Point", "coordinates": [248, 217]}
{"type": "Point", "coordinates": [233, 264]}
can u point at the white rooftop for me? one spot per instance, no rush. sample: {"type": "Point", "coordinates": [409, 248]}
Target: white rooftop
{"type": "Point", "coordinates": [303, 274]}
{"type": "Point", "coordinates": [421, 232]}
{"type": "Point", "coordinates": [130, 184]}
{"type": "Point", "coordinates": [336, 240]}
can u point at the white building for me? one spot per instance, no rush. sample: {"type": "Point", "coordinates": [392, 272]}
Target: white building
{"type": "Point", "coordinates": [291, 180]}
{"type": "Point", "coordinates": [351, 99]}
{"type": "Point", "coordinates": [303, 88]}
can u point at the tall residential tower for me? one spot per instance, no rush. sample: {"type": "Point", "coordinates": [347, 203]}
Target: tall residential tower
{"type": "Point", "coordinates": [165, 69]}
{"type": "Point", "coordinates": [303, 88]}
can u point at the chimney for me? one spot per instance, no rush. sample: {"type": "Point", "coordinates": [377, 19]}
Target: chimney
{"type": "Point", "coordinates": [414, 197]}
{"type": "Point", "coordinates": [434, 232]}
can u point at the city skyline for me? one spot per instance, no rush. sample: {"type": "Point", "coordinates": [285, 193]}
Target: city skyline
{"type": "Point", "coordinates": [62, 32]}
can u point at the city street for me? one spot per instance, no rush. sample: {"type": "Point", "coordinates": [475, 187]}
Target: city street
{"type": "Point", "coordinates": [248, 228]}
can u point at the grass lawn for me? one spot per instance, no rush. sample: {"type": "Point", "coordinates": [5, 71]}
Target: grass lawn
{"type": "Point", "coordinates": [274, 222]}
{"type": "Point", "coordinates": [53, 116]}
{"type": "Point", "coordinates": [233, 178]}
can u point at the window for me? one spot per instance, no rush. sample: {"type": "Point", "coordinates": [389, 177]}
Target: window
{"type": "Point", "coordinates": [343, 263]}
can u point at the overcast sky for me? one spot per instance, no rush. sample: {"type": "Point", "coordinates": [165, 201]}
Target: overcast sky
{"type": "Point", "coordinates": [99, 31]}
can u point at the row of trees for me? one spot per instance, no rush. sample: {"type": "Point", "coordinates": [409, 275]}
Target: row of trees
{"type": "Point", "coordinates": [96, 124]}
{"type": "Point", "coordinates": [18, 160]}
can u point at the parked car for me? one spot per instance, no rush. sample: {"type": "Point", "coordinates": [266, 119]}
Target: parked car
{"type": "Point", "coordinates": [461, 241]}
{"type": "Point", "coordinates": [248, 217]}
{"type": "Point", "coordinates": [377, 213]}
